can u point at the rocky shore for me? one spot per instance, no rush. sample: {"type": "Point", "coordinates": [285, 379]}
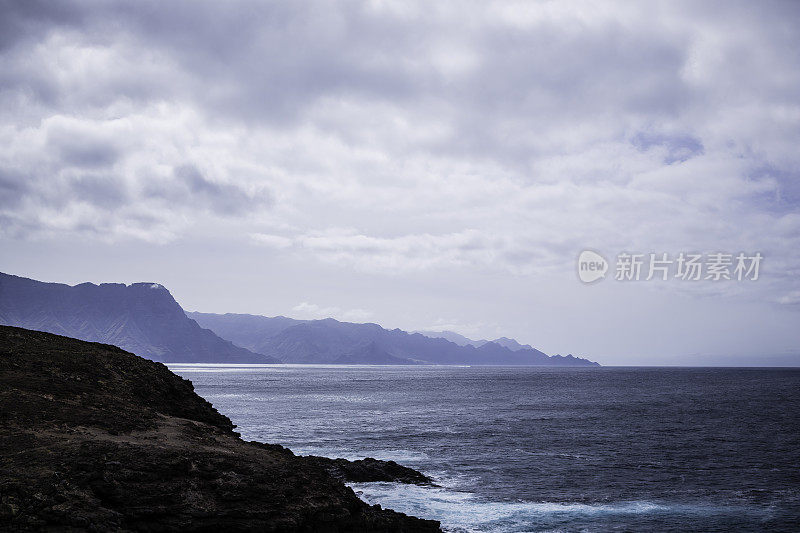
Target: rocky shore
{"type": "Point", "coordinates": [93, 438]}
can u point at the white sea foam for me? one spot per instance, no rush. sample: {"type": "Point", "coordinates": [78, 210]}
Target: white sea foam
{"type": "Point", "coordinates": [553, 454]}
{"type": "Point", "coordinates": [462, 512]}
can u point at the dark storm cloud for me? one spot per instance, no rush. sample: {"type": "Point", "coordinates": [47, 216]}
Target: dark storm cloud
{"type": "Point", "coordinates": [26, 21]}
{"type": "Point", "coordinates": [543, 77]}
{"type": "Point", "coordinates": [102, 191]}
{"type": "Point", "coordinates": [12, 188]}
{"type": "Point", "coordinates": [225, 199]}
{"type": "Point", "coordinates": [81, 150]}
{"type": "Point", "coordinates": [273, 58]}
{"type": "Point", "coordinates": [258, 61]}
{"type": "Point", "coordinates": [251, 60]}
{"type": "Point", "coordinates": [472, 86]}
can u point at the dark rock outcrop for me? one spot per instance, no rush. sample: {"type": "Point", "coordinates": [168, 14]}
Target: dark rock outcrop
{"type": "Point", "coordinates": [93, 438]}
{"type": "Point", "coordinates": [369, 469]}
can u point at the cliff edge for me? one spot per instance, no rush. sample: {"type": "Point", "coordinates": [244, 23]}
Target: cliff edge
{"type": "Point", "coordinates": [93, 438]}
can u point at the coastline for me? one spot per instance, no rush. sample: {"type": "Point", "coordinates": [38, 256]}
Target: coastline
{"type": "Point", "coordinates": [96, 438]}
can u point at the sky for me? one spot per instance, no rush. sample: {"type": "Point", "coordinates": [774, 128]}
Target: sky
{"type": "Point", "coordinates": [421, 165]}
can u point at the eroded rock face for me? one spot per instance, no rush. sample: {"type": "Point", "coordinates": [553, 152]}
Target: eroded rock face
{"type": "Point", "coordinates": [369, 469]}
{"type": "Point", "coordinates": [94, 438]}
{"type": "Point", "coordinates": [142, 318]}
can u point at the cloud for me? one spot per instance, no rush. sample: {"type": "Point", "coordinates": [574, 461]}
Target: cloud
{"type": "Point", "coordinates": [305, 310]}
{"type": "Point", "coordinates": [223, 198]}
{"type": "Point", "coordinates": [272, 241]}
{"type": "Point", "coordinates": [498, 136]}
{"type": "Point", "coordinates": [118, 178]}
{"type": "Point", "coordinates": [88, 148]}
{"type": "Point", "coordinates": [406, 252]}
{"type": "Point", "coordinates": [472, 331]}
{"type": "Point", "coordinates": [792, 298]}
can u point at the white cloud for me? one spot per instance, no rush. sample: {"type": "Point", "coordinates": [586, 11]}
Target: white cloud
{"type": "Point", "coordinates": [473, 331]}
{"type": "Point", "coordinates": [272, 241]}
{"type": "Point", "coordinates": [792, 298]}
{"type": "Point", "coordinates": [305, 310]}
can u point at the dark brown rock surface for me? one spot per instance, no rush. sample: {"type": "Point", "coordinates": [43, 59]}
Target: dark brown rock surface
{"type": "Point", "coordinates": [95, 438]}
{"type": "Point", "coordinates": [369, 469]}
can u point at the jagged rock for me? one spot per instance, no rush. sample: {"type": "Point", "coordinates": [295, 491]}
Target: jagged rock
{"type": "Point", "coordinates": [93, 438]}
{"type": "Point", "coordinates": [369, 469]}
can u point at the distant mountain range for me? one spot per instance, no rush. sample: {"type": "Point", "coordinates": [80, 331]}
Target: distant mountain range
{"type": "Point", "coordinates": [452, 336]}
{"type": "Point", "coordinates": [461, 340]}
{"type": "Point", "coordinates": [145, 319]}
{"type": "Point", "coordinates": [329, 341]}
{"type": "Point", "coordinates": [142, 318]}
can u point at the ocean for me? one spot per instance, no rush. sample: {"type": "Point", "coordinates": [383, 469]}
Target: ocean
{"type": "Point", "coordinates": [542, 449]}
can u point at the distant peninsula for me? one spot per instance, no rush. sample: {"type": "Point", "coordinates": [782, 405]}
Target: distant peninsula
{"type": "Point", "coordinates": [330, 341]}
{"type": "Point", "coordinates": [145, 319]}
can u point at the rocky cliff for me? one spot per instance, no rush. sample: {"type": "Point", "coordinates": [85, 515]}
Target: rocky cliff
{"type": "Point", "coordinates": [142, 318]}
{"type": "Point", "coordinates": [93, 438]}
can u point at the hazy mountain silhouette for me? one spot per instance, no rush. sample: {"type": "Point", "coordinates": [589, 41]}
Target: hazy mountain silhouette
{"type": "Point", "coordinates": [331, 341]}
{"type": "Point", "coordinates": [145, 319]}
{"type": "Point", "coordinates": [461, 340]}
{"type": "Point", "coordinates": [371, 353]}
{"type": "Point", "coordinates": [512, 344]}
{"type": "Point", "coordinates": [248, 331]}
{"type": "Point", "coordinates": [142, 318]}
{"type": "Point", "coordinates": [452, 336]}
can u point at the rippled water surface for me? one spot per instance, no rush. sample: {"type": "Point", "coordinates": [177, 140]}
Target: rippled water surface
{"type": "Point", "coordinates": [542, 449]}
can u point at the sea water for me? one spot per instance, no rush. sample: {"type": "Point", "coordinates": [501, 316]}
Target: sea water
{"type": "Point", "coordinates": [542, 449]}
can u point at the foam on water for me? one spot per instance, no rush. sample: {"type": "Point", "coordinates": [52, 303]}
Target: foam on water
{"type": "Point", "coordinates": [462, 512]}
{"type": "Point", "coordinates": [518, 449]}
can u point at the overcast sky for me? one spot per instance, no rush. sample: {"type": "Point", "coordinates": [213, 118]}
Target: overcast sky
{"type": "Point", "coordinates": [428, 165]}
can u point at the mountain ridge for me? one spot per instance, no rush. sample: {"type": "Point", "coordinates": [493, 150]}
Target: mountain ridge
{"type": "Point", "coordinates": [145, 319]}
{"type": "Point", "coordinates": [461, 340]}
{"type": "Point", "coordinates": [142, 318]}
{"type": "Point", "coordinates": [326, 341]}
{"type": "Point", "coordinates": [451, 336]}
